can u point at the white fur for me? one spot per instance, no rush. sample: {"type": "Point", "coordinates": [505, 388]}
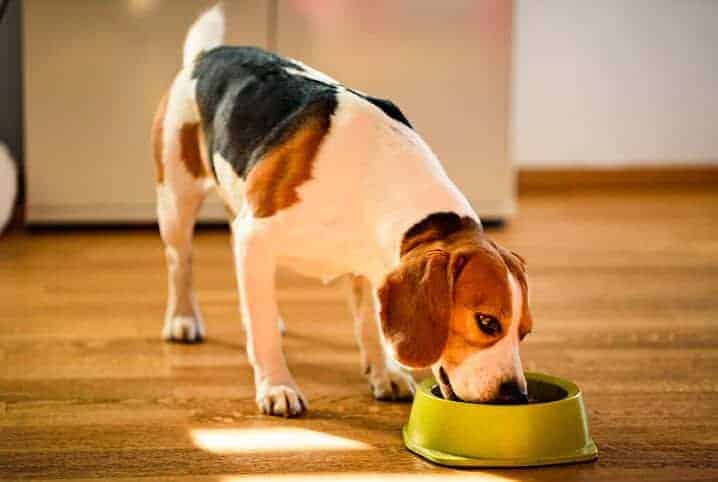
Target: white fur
{"type": "Point", "coordinates": [479, 376]}
{"type": "Point", "coordinates": [311, 73]}
{"type": "Point", "coordinates": [276, 391]}
{"type": "Point", "coordinates": [205, 34]}
{"type": "Point", "coordinates": [178, 200]}
{"type": "Point", "coordinates": [314, 74]}
{"type": "Point", "coordinates": [231, 186]}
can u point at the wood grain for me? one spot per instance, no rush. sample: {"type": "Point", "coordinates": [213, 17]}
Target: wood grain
{"type": "Point", "coordinates": [625, 299]}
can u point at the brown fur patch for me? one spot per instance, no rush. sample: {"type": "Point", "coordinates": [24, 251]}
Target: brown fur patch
{"type": "Point", "coordinates": [482, 287]}
{"type": "Point", "coordinates": [272, 184]}
{"type": "Point", "coordinates": [190, 150]}
{"type": "Point", "coordinates": [203, 152]}
{"type": "Point", "coordinates": [156, 137]}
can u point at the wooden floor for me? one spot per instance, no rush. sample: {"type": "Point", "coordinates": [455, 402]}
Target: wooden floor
{"type": "Point", "coordinates": [625, 299]}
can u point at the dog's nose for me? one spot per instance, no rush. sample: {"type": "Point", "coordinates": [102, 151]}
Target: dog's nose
{"type": "Point", "coordinates": [510, 392]}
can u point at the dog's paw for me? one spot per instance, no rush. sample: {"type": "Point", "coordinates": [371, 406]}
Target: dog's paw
{"type": "Point", "coordinates": [183, 329]}
{"type": "Point", "coordinates": [281, 400]}
{"type": "Point", "coordinates": [390, 383]}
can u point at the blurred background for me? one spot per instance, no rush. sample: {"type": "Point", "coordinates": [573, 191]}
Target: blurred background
{"type": "Point", "coordinates": [495, 87]}
{"type": "Point", "coordinates": [591, 126]}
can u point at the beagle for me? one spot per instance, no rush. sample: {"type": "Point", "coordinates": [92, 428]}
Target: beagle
{"type": "Point", "coordinates": [332, 182]}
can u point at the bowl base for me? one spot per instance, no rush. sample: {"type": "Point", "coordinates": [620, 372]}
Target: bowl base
{"type": "Point", "coordinates": [586, 454]}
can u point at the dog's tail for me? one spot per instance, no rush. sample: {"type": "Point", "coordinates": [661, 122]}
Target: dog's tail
{"type": "Point", "coordinates": [206, 33]}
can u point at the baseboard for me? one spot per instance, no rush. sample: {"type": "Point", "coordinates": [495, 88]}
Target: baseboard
{"type": "Point", "coordinates": [123, 214]}
{"type": "Point", "coordinates": [131, 214]}
{"type": "Point", "coordinates": [559, 178]}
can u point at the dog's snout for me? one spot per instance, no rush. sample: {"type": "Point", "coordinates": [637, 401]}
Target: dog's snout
{"type": "Point", "coordinates": [511, 392]}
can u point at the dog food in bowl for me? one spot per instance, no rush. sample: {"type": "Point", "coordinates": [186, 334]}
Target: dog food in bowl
{"type": "Point", "coordinates": [436, 391]}
{"type": "Point", "coordinates": [538, 392]}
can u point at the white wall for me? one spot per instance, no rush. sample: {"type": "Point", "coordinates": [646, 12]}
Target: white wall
{"type": "Point", "coordinates": [615, 82]}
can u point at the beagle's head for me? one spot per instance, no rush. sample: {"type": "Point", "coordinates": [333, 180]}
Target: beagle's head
{"type": "Point", "coordinates": [458, 303]}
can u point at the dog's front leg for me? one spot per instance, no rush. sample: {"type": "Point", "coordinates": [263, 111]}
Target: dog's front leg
{"type": "Point", "coordinates": [386, 379]}
{"type": "Point", "coordinates": [276, 392]}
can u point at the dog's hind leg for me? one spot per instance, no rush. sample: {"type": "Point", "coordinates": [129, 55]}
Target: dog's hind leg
{"type": "Point", "coordinates": [386, 379]}
{"type": "Point", "coordinates": [182, 183]}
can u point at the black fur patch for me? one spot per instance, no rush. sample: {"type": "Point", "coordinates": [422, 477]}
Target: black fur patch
{"type": "Point", "coordinates": [249, 103]}
{"type": "Point", "coordinates": [387, 106]}
{"type": "Point", "coordinates": [442, 225]}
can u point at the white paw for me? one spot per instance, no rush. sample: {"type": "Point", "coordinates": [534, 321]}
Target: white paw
{"type": "Point", "coordinates": [183, 329]}
{"type": "Point", "coordinates": [281, 400]}
{"type": "Point", "coordinates": [390, 383]}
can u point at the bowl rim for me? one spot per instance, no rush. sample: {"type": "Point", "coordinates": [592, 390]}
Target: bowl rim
{"type": "Point", "coordinates": [571, 389]}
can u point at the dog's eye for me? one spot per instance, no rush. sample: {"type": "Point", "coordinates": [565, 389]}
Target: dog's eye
{"type": "Point", "coordinates": [488, 324]}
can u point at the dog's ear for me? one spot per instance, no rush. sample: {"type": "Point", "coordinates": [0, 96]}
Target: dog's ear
{"type": "Point", "coordinates": [520, 258]}
{"type": "Point", "coordinates": [517, 267]}
{"type": "Point", "coordinates": [415, 309]}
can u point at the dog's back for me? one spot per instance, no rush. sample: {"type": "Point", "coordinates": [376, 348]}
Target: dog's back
{"type": "Point", "coordinates": [287, 145]}
{"type": "Point", "coordinates": [250, 103]}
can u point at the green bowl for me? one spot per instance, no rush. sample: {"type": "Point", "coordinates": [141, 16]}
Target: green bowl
{"type": "Point", "coordinates": [552, 431]}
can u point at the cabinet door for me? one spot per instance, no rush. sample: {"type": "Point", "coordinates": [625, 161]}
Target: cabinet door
{"type": "Point", "coordinates": [446, 64]}
{"type": "Point", "coordinates": [94, 72]}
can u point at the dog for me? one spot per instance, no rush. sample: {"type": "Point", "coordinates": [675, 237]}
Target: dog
{"type": "Point", "coordinates": [332, 182]}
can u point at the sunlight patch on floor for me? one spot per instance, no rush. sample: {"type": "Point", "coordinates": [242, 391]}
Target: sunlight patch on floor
{"type": "Point", "coordinates": [273, 439]}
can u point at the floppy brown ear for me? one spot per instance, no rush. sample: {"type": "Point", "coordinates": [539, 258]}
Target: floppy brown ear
{"type": "Point", "coordinates": [517, 266]}
{"type": "Point", "coordinates": [520, 258]}
{"type": "Point", "coordinates": [513, 260]}
{"type": "Point", "coordinates": [415, 309]}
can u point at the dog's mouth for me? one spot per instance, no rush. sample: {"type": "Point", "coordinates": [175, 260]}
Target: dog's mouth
{"type": "Point", "coordinates": [445, 386]}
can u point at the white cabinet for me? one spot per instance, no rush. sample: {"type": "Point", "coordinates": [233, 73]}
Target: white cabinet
{"type": "Point", "coordinates": [95, 70]}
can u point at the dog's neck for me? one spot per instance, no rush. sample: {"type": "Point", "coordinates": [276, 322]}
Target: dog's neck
{"type": "Point", "coordinates": [408, 184]}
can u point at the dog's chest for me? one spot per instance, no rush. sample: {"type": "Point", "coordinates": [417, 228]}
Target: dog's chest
{"type": "Point", "coordinates": [324, 239]}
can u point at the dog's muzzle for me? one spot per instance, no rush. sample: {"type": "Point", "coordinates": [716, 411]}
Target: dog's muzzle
{"type": "Point", "coordinates": [511, 393]}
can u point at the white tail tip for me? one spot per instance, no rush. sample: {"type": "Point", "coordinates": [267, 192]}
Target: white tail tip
{"type": "Point", "coordinates": [206, 33]}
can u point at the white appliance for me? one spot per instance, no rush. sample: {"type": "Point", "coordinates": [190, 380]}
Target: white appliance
{"type": "Point", "coordinates": [94, 72]}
